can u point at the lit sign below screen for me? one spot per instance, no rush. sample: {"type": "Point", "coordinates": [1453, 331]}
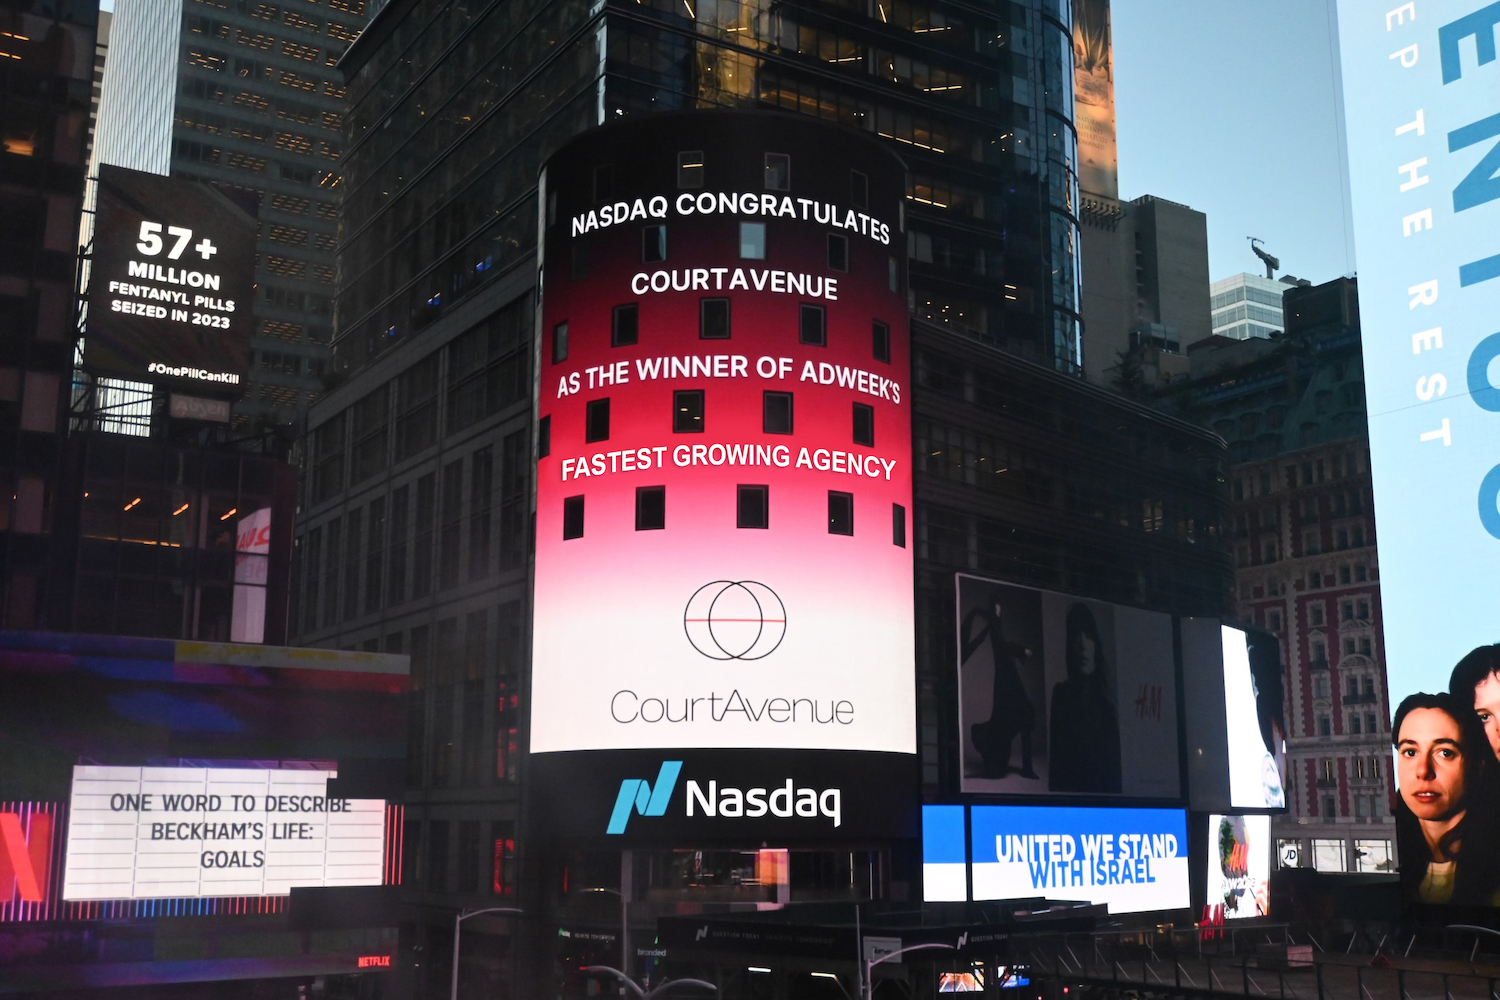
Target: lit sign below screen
{"type": "Point", "coordinates": [168, 832]}
{"type": "Point", "coordinates": [171, 283]}
{"type": "Point", "coordinates": [1128, 859]}
{"type": "Point", "coordinates": [1239, 867]}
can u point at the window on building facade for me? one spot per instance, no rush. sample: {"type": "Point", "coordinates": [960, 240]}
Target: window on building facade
{"type": "Point", "coordinates": [840, 513]}
{"type": "Point", "coordinates": [713, 319]}
{"type": "Point", "coordinates": [625, 325]}
{"type": "Point", "coordinates": [650, 508]}
{"type": "Point", "coordinates": [776, 417]}
{"type": "Point", "coordinates": [572, 517]}
{"type": "Point", "coordinates": [687, 411]}
{"type": "Point", "coordinates": [690, 169]}
{"type": "Point", "coordinates": [778, 172]}
{"type": "Point", "coordinates": [753, 240]}
{"type": "Point", "coordinates": [752, 506]}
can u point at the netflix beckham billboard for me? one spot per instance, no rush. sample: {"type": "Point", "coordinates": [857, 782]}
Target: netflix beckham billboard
{"type": "Point", "coordinates": [724, 480]}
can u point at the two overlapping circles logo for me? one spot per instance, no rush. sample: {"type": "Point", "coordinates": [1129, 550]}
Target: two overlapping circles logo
{"type": "Point", "coordinates": [735, 620]}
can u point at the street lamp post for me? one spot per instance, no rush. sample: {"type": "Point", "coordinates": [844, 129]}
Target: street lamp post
{"type": "Point", "coordinates": [662, 988]}
{"type": "Point", "coordinates": [869, 984]}
{"type": "Point", "coordinates": [624, 926]}
{"type": "Point", "coordinates": [458, 926]}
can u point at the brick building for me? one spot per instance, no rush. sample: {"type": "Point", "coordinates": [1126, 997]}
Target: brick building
{"type": "Point", "coordinates": [1302, 533]}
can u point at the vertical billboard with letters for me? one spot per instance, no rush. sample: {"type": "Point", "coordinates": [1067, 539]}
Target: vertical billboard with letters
{"type": "Point", "coordinates": [1422, 105]}
{"type": "Point", "coordinates": [171, 283]}
{"type": "Point", "coordinates": [723, 639]}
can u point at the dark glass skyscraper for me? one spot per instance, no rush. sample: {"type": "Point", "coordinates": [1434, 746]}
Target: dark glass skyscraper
{"type": "Point", "coordinates": [415, 528]}
{"type": "Point", "coordinates": [451, 113]}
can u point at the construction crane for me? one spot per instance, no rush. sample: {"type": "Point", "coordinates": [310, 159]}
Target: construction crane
{"type": "Point", "coordinates": [1273, 264]}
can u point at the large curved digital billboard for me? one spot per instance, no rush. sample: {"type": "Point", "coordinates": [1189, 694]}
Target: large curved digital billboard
{"type": "Point", "coordinates": [724, 480]}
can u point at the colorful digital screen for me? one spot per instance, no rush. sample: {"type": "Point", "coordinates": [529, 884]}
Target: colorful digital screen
{"type": "Point", "coordinates": [1128, 859]}
{"type": "Point", "coordinates": [1239, 867]}
{"type": "Point", "coordinates": [1420, 85]}
{"type": "Point", "coordinates": [1053, 688]}
{"type": "Point", "coordinates": [171, 283]}
{"type": "Point", "coordinates": [945, 857]}
{"type": "Point", "coordinates": [1253, 721]}
{"type": "Point", "coordinates": [723, 520]}
{"type": "Point", "coordinates": [961, 982]}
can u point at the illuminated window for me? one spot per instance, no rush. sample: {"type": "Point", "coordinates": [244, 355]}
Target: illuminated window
{"type": "Point", "coordinates": [544, 436]}
{"type": "Point", "coordinates": [650, 508]}
{"type": "Point", "coordinates": [713, 319]}
{"type": "Point", "coordinates": [898, 525]}
{"type": "Point", "coordinates": [859, 189]}
{"type": "Point", "coordinates": [625, 329]}
{"type": "Point", "coordinates": [572, 517]}
{"type": "Point", "coordinates": [864, 425]}
{"type": "Point", "coordinates": [776, 413]}
{"type": "Point", "coordinates": [597, 420]}
{"type": "Point", "coordinates": [654, 244]}
{"type": "Point", "coordinates": [838, 252]}
{"type": "Point", "coordinates": [687, 411]}
{"type": "Point", "coordinates": [753, 240]}
{"type": "Point", "coordinates": [560, 343]}
{"type": "Point", "coordinates": [690, 169]}
{"type": "Point", "coordinates": [881, 341]}
{"type": "Point", "coordinates": [812, 326]}
{"type": "Point", "coordinates": [778, 172]}
{"type": "Point", "coordinates": [840, 513]}
{"type": "Point", "coordinates": [752, 507]}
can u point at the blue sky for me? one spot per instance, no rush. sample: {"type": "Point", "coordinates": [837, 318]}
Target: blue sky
{"type": "Point", "coordinates": [1230, 106]}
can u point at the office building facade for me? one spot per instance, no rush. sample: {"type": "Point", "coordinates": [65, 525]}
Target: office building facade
{"type": "Point", "coordinates": [1302, 533]}
{"type": "Point", "coordinates": [246, 96]}
{"type": "Point", "coordinates": [44, 112]}
{"type": "Point", "coordinates": [1247, 305]}
{"type": "Point", "coordinates": [416, 527]}
{"type": "Point", "coordinates": [1145, 285]}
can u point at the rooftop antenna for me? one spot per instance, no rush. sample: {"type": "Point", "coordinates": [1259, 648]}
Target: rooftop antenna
{"type": "Point", "coordinates": [1273, 264]}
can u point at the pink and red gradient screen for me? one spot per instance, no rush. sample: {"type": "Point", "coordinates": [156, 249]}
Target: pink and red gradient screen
{"type": "Point", "coordinates": [701, 633]}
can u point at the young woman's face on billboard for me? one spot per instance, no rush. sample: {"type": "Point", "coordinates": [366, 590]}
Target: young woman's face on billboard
{"type": "Point", "coordinates": [1430, 764]}
{"type": "Point", "coordinates": [1487, 705]}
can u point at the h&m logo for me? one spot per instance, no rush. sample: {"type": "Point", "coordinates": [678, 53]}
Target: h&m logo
{"type": "Point", "coordinates": [639, 795]}
{"type": "Point", "coordinates": [25, 856]}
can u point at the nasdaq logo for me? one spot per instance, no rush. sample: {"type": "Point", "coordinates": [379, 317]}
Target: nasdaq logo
{"type": "Point", "coordinates": [640, 795]}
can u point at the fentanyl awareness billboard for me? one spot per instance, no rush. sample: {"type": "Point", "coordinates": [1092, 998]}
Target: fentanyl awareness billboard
{"type": "Point", "coordinates": [171, 283]}
{"type": "Point", "coordinates": [188, 832]}
{"type": "Point", "coordinates": [724, 471]}
{"type": "Point", "coordinates": [1422, 109]}
{"type": "Point", "coordinates": [1128, 859]}
{"type": "Point", "coordinates": [1239, 867]}
{"type": "Point", "coordinates": [1053, 688]}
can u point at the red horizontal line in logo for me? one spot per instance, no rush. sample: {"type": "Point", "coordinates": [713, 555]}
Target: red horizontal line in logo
{"type": "Point", "coordinates": [768, 621]}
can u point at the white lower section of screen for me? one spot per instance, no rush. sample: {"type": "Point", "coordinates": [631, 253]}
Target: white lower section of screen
{"type": "Point", "coordinates": [169, 832]}
{"type": "Point", "coordinates": [1160, 884]}
{"type": "Point", "coordinates": [945, 882]}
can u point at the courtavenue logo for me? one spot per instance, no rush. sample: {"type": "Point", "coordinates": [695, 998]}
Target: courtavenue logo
{"type": "Point", "coordinates": [639, 795]}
